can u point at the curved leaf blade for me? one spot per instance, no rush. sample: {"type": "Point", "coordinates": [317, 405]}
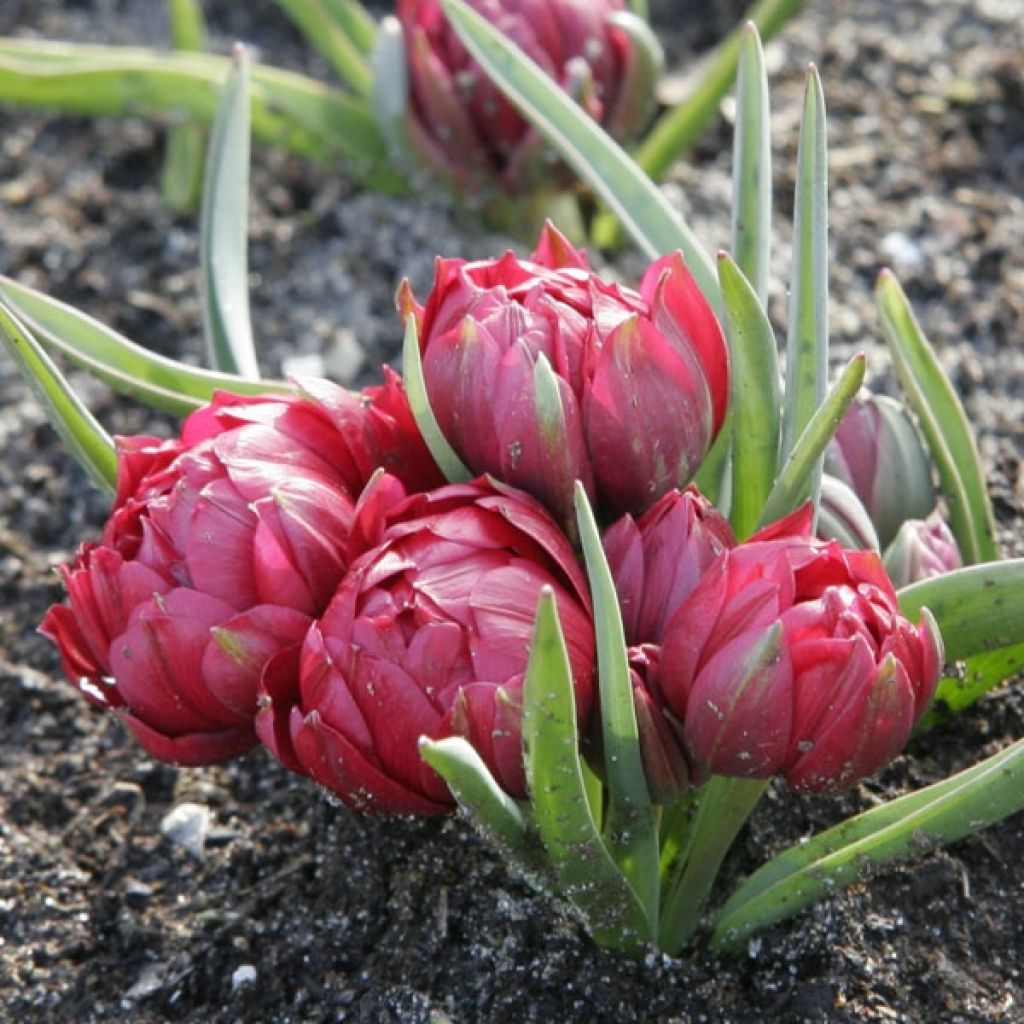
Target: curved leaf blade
{"type": "Point", "coordinates": [318, 24]}
{"type": "Point", "coordinates": [224, 231]}
{"type": "Point", "coordinates": [796, 479]}
{"type": "Point", "coordinates": [630, 828]}
{"type": "Point", "coordinates": [941, 813]}
{"type": "Point", "coordinates": [755, 396]}
{"type": "Point", "coordinates": [78, 429]}
{"type": "Point", "coordinates": [585, 871]}
{"type": "Point", "coordinates": [943, 422]}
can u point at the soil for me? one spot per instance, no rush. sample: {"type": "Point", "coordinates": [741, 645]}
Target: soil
{"type": "Point", "coordinates": [291, 909]}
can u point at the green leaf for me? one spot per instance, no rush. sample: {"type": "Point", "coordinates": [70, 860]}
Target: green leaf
{"type": "Point", "coordinates": [181, 178]}
{"type": "Point", "coordinates": [585, 871]}
{"type": "Point", "coordinates": [630, 826]}
{"type": "Point", "coordinates": [317, 22]}
{"type": "Point", "coordinates": [121, 364]}
{"type": "Point", "coordinates": [941, 813]}
{"type": "Point", "coordinates": [807, 343]}
{"type": "Point", "coordinates": [680, 127]}
{"type": "Point", "coordinates": [752, 167]}
{"type": "Point", "coordinates": [224, 231]}
{"type": "Point", "coordinates": [943, 422]}
{"type": "Point", "coordinates": [492, 811]}
{"type": "Point", "coordinates": [354, 21]}
{"type": "Point", "coordinates": [416, 390]}
{"type": "Point", "coordinates": [978, 610]}
{"type": "Point", "coordinates": [978, 674]}
{"type": "Point", "coordinates": [712, 477]}
{"type": "Point", "coordinates": [288, 109]}
{"type": "Point", "coordinates": [754, 397]}
{"type": "Point", "coordinates": [87, 441]}
{"type": "Point", "coordinates": [795, 480]}
{"type": "Point", "coordinates": [646, 214]}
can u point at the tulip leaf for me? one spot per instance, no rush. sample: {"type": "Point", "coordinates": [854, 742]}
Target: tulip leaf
{"type": "Point", "coordinates": [416, 389]}
{"type": "Point", "coordinates": [224, 231]}
{"type": "Point", "coordinates": [491, 810]}
{"type": "Point", "coordinates": [354, 21]}
{"type": "Point", "coordinates": [630, 825]}
{"type": "Point", "coordinates": [181, 177]}
{"type": "Point", "coordinates": [752, 167]}
{"type": "Point", "coordinates": [941, 813]}
{"type": "Point", "coordinates": [943, 422]}
{"type": "Point", "coordinates": [126, 367]}
{"type": "Point", "coordinates": [389, 97]}
{"type": "Point", "coordinates": [288, 109]}
{"type": "Point", "coordinates": [977, 675]}
{"type": "Point", "coordinates": [793, 483]}
{"type": "Point", "coordinates": [807, 342]}
{"type": "Point", "coordinates": [978, 609]}
{"type": "Point", "coordinates": [584, 869]}
{"type": "Point", "coordinates": [317, 22]}
{"type": "Point", "coordinates": [646, 214]}
{"type": "Point", "coordinates": [754, 397]}
{"type": "Point", "coordinates": [87, 441]}
{"type": "Point", "coordinates": [683, 124]}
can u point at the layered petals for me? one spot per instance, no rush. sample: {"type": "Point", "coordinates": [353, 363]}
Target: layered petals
{"type": "Point", "coordinates": [428, 634]}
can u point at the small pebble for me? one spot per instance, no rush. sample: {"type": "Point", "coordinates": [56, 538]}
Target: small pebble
{"type": "Point", "coordinates": [244, 975]}
{"type": "Point", "coordinates": [188, 825]}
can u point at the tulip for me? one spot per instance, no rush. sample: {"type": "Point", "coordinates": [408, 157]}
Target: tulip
{"type": "Point", "coordinates": [657, 560]}
{"type": "Point", "coordinates": [541, 373]}
{"type": "Point", "coordinates": [922, 548]}
{"type": "Point", "coordinates": [790, 657]}
{"type": "Point", "coordinates": [221, 548]}
{"type": "Point", "coordinates": [428, 634]}
{"type": "Point", "coordinates": [878, 453]}
{"type": "Point", "coordinates": [843, 517]}
{"type": "Point", "coordinates": [460, 126]}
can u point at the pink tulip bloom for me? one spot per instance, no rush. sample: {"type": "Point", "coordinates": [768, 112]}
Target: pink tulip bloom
{"type": "Point", "coordinates": [541, 373]}
{"type": "Point", "coordinates": [461, 126]}
{"type": "Point", "coordinates": [221, 548]}
{"type": "Point", "coordinates": [790, 657]}
{"type": "Point", "coordinates": [428, 634]}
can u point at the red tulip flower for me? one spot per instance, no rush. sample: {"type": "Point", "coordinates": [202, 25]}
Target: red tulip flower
{"type": "Point", "coordinates": [790, 657]}
{"type": "Point", "coordinates": [461, 126]}
{"type": "Point", "coordinates": [541, 373]}
{"type": "Point", "coordinates": [222, 546]}
{"type": "Point", "coordinates": [427, 635]}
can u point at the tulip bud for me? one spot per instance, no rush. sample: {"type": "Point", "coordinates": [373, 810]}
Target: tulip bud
{"type": "Point", "coordinates": [842, 516]}
{"type": "Point", "coordinates": [790, 657]}
{"type": "Point", "coordinates": [428, 634]}
{"type": "Point", "coordinates": [460, 126]}
{"type": "Point", "coordinates": [879, 454]}
{"type": "Point", "coordinates": [541, 373]}
{"type": "Point", "coordinates": [922, 548]}
{"type": "Point", "coordinates": [221, 547]}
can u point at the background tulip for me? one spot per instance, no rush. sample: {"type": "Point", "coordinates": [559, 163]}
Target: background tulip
{"type": "Point", "coordinates": [922, 548]}
{"type": "Point", "coordinates": [221, 547]}
{"type": "Point", "coordinates": [462, 127]}
{"type": "Point", "coordinates": [790, 657]}
{"type": "Point", "coordinates": [428, 635]}
{"type": "Point", "coordinates": [878, 453]}
{"type": "Point", "coordinates": [542, 373]}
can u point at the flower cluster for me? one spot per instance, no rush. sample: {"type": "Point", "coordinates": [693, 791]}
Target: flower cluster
{"type": "Point", "coordinates": [294, 570]}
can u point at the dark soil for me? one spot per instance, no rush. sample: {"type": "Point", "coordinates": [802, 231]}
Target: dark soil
{"type": "Point", "coordinates": [294, 909]}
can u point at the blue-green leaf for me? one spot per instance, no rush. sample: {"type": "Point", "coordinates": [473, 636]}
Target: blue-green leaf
{"type": "Point", "coordinates": [78, 429]}
{"type": "Point", "coordinates": [795, 481]}
{"type": "Point", "coordinates": [126, 367]}
{"type": "Point", "coordinates": [943, 422]}
{"type": "Point", "coordinates": [807, 343]}
{"type": "Point", "coordinates": [224, 229]}
{"type": "Point", "coordinates": [754, 397]}
{"type": "Point", "coordinates": [630, 828]}
{"type": "Point", "coordinates": [941, 813]}
{"type": "Point", "coordinates": [585, 871]}
{"type": "Point", "coordinates": [317, 22]}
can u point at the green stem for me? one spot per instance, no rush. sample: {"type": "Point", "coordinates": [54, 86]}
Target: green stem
{"type": "Point", "coordinates": [724, 805]}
